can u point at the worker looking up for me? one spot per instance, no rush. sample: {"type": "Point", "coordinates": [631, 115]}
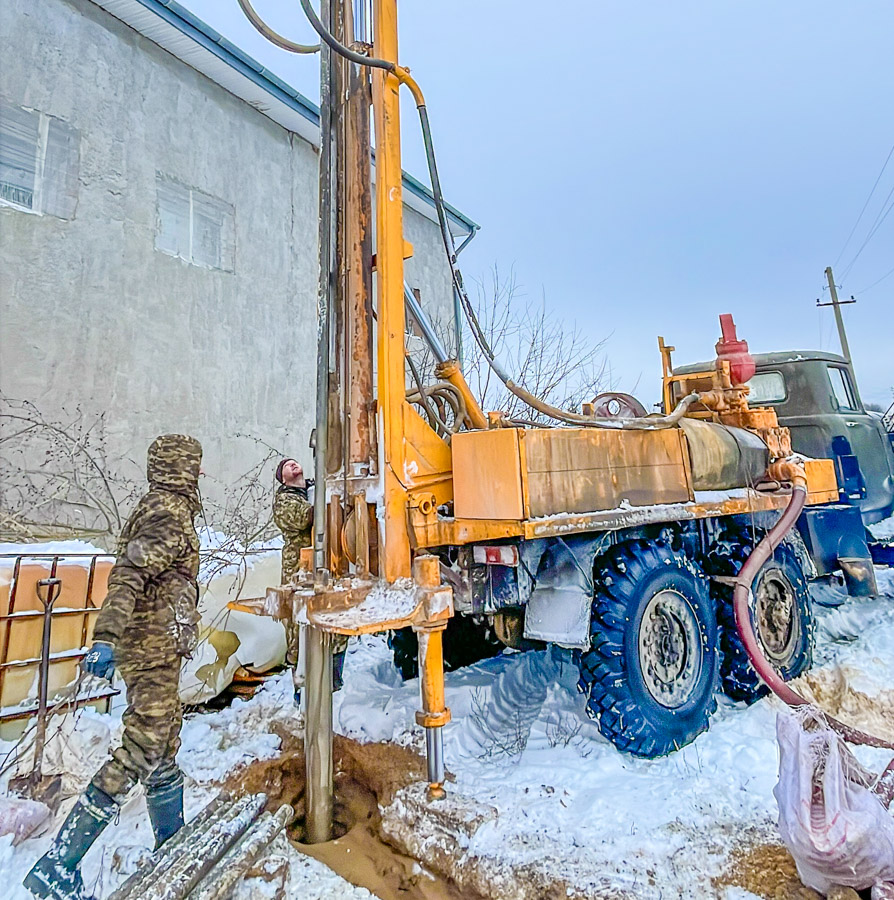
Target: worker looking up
{"type": "Point", "coordinates": [147, 625]}
{"type": "Point", "coordinates": [293, 514]}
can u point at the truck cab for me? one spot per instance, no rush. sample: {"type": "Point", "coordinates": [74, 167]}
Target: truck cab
{"type": "Point", "coordinates": [814, 395]}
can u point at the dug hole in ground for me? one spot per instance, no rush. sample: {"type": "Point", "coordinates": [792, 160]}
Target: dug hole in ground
{"type": "Point", "coordinates": [540, 805]}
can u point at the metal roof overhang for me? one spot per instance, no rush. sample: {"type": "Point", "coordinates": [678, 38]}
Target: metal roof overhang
{"type": "Point", "coordinates": [175, 29]}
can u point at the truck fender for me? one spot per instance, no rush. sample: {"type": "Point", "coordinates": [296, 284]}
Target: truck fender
{"type": "Point", "coordinates": [558, 608]}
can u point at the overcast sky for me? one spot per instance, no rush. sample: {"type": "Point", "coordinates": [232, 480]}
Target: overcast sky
{"type": "Point", "coordinates": [648, 165]}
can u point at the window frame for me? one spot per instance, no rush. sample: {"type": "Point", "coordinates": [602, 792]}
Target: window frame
{"type": "Point", "coordinates": [778, 372]}
{"type": "Point", "coordinates": [850, 394]}
{"type": "Point", "coordinates": [49, 199]}
{"type": "Point", "coordinates": [226, 245]}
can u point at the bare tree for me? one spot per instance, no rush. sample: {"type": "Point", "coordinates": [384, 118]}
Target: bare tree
{"type": "Point", "coordinates": [549, 356]}
{"type": "Point", "coordinates": [58, 477]}
{"type": "Point", "coordinates": [60, 480]}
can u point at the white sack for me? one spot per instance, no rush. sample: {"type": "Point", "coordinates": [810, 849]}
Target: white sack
{"type": "Point", "coordinates": [20, 817]}
{"type": "Point", "coordinates": [837, 830]}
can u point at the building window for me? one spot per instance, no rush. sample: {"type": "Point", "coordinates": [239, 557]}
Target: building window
{"type": "Point", "coordinates": [194, 226]}
{"type": "Point", "coordinates": [38, 162]}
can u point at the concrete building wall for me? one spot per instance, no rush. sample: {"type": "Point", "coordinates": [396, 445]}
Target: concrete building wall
{"type": "Point", "coordinates": [93, 314]}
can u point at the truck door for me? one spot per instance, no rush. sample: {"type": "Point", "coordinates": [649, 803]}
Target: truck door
{"type": "Point", "coordinates": [861, 448]}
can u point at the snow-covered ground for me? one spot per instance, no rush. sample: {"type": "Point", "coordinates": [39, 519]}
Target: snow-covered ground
{"type": "Point", "coordinates": [549, 799]}
{"type": "Point", "coordinates": [570, 805]}
{"type": "Point", "coordinates": [214, 746]}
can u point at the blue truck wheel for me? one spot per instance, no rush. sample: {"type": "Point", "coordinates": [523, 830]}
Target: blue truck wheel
{"type": "Point", "coordinates": [652, 667]}
{"type": "Point", "coordinates": [781, 613]}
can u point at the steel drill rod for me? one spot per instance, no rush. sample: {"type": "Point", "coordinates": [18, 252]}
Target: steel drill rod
{"type": "Point", "coordinates": [204, 848]}
{"type": "Point", "coordinates": [173, 850]}
{"type": "Point", "coordinates": [235, 863]}
{"type": "Point", "coordinates": [434, 751]}
{"type": "Point", "coordinates": [318, 736]}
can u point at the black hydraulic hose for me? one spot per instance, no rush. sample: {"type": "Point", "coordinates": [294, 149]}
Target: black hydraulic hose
{"type": "Point", "coordinates": [644, 424]}
{"type": "Point", "coordinates": [273, 36]}
{"type": "Point", "coordinates": [649, 423]}
{"type": "Point", "coordinates": [339, 47]}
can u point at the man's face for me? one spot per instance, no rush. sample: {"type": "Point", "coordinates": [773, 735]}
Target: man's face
{"type": "Point", "coordinates": [293, 474]}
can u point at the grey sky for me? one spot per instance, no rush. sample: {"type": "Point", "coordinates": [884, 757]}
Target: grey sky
{"type": "Point", "coordinates": [649, 165]}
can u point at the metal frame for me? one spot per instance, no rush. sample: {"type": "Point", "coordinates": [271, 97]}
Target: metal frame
{"type": "Point", "coordinates": [45, 660]}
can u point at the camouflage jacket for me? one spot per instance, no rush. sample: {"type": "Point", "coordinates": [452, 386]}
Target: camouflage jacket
{"type": "Point", "coordinates": [150, 613]}
{"type": "Point", "coordinates": [293, 514]}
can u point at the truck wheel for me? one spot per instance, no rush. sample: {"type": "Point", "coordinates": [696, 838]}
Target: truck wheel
{"type": "Point", "coordinates": [652, 668]}
{"type": "Point", "coordinates": [467, 640]}
{"type": "Point", "coordinates": [781, 613]}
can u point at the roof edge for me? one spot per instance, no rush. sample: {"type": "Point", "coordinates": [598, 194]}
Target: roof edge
{"type": "Point", "coordinates": [189, 24]}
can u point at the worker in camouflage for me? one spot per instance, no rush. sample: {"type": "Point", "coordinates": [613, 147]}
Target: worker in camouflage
{"type": "Point", "coordinates": [147, 625]}
{"type": "Point", "coordinates": [293, 514]}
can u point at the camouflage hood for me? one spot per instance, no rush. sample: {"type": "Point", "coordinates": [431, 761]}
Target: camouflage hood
{"type": "Point", "coordinates": [173, 463]}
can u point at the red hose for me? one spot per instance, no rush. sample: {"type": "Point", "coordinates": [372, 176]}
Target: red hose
{"type": "Point", "coordinates": [741, 594]}
{"type": "Point", "coordinates": [761, 553]}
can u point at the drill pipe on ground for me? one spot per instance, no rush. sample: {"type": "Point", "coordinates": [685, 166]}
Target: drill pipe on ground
{"type": "Point", "coordinates": [195, 854]}
{"type": "Point", "coordinates": [160, 863]}
{"type": "Point", "coordinates": [235, 863]}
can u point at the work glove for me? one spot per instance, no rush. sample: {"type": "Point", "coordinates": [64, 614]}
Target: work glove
{"type": "Point", "coordinates": [100, 661]}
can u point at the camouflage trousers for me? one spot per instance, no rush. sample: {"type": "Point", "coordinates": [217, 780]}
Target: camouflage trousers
{"type": "Point", "coordinates": [151, 739]}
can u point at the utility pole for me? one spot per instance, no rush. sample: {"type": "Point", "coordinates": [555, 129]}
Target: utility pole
{"type": "Point", "coordinates": [836, 304]}
{"type": "Point", "coordinates": [839, 321]}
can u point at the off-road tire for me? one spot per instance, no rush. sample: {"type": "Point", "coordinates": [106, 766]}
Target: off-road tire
{"type": "Point", "coordinates": [787, 641]}
{"type": "Point", "coordinates": [635, 658]}
{"type": "Point", "coordinates": [467, 640]}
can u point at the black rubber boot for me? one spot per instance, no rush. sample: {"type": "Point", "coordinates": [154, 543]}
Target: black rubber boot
{"type": "Point", "coordinates": [56, 874]}
{"type": "Point", "coordinates": [338, 666]}
{"type": "Point", "coordinates": [164, 800]}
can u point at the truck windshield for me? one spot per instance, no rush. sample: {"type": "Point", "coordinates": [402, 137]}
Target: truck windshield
{"type": "Point", "coordinates": [767, 387]}
{"type": "Point", "coordinates": [841, 388]}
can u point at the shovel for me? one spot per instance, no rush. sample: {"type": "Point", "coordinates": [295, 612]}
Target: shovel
{"type": "Point", "coordinates": [37, 786]}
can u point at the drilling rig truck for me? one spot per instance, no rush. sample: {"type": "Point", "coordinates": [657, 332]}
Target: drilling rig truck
{"type": "Point", "coordinates": [613, 533]}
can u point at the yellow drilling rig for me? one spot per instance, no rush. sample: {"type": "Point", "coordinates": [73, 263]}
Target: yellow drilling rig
{"type": "Point", "coordinates": [614, 533]}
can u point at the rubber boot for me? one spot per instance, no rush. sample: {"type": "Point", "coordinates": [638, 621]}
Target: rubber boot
{"type": "Point", "coordinates": [338, 667]}
{"type": "Point", "coordinates": [56, 874]}
{"type": "Point", "coordinates": [164, 800]}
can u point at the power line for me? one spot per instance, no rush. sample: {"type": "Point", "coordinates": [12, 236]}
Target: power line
{"type": "Point", "coordinates": [887, 274]}
{"type": "Point", "coordinates": [874, 186]}
{"type": "Point", "coordinates": [879, 219]}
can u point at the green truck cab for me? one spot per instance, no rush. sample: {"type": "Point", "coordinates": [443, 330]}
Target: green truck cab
{"type": "Point", "coordinates": [815, 395]}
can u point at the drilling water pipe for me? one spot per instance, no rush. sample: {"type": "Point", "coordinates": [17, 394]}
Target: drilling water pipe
{"type": "Point", "coordinates": [783, 470]}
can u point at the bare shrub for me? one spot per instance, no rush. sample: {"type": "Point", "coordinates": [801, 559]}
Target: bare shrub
{"type": "Point", "coordinates": [562, 729]}
{"type": "Point", "coordinates": [60, 480]}
{"type": "Point", "coordinates": [547, 355]}
{"type": "Point", "coordinates": [58, 477]}
{"type": "Point", "coordinates": [503, 738]}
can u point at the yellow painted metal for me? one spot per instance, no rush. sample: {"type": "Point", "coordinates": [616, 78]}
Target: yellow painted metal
{"type": "Point", "coordinates": [488, 474]}
{"type": "Point", "coordinates": [434, 712]}
{"type": "Point", "coordinates": [432, 531]}
{"type": "Point", "coordinates": [822, 482]}
{"type": "Point", "coordinates": [513, 473]}
{"type": "Point", "coordinates": [428, 463]}
{"type": "Point", "coordinates": [394, 555]}
{"type": "Point", "coordinates": [451, 372]}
